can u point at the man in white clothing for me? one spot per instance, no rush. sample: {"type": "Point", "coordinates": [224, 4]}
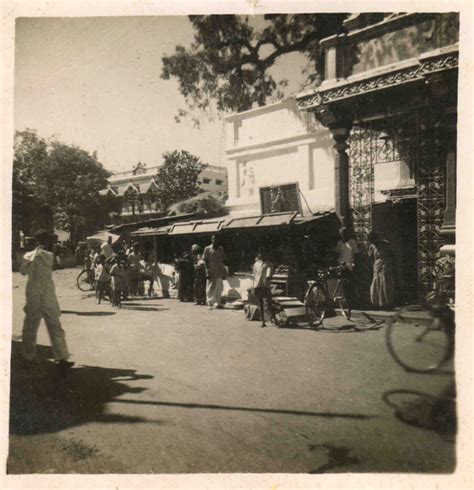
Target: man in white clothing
{"type": "Point", "coordinates": [347, 249]}
{"type": "Point", "coordinates": [41, 302]}
{"type": "Point", "coordinates": [106, 249]}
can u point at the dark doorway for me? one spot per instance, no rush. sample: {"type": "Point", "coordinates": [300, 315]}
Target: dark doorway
{"type": "Point", "coordinates": [397, 223]}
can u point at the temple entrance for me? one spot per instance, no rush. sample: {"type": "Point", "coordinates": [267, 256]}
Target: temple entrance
{"type": "Point", "coordinates": [397, 223]}
{"type": "Point", "coordinates": [396, 184]}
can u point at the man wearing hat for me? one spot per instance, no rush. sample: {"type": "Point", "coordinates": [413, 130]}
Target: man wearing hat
{"type": "Point", "coordinates": [41, 302]}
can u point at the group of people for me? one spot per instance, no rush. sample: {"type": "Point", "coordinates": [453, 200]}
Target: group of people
{"type": "Point", "coordinates": [201, 274]}
{"type": "Point", "coordinates": [382, 286]}
{"type": "Point", "coordinates": [123, 271]}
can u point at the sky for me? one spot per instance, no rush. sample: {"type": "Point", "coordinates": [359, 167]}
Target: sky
{"type": "Point", "coordinates": [95, 82]}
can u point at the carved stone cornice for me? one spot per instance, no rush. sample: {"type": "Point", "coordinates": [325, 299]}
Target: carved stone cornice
{"type": "Point", "coordinates": [419, 71]}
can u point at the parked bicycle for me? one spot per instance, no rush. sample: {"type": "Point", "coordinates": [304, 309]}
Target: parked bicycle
{"type": "Point", "coordinates": [421, 338]}
{"type": "Point", "coordinates": [319, 300]}
{"type": "Point", "coordinates": [85, 280]}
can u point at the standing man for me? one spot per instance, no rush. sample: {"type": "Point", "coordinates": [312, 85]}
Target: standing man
{"type": "Point", "coordinates": [215, 272]}
{"type": "Point", "coordinates": [106, 249]}
{"type": "Point", "coordinates": [41, 302]}
{"type": "Point", "coordinates": [347, 250]}
{"type": "Point", "coordinates": [262, 271]}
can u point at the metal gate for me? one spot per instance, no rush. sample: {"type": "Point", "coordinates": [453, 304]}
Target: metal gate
{"type": "Point", "coordinates": [416, 138]}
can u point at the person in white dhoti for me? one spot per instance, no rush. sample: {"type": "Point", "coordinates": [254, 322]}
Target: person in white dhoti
{"type": "Point", "coordinates": [214, 257]}
{"type": "Point", "coordinates": [41, 302]}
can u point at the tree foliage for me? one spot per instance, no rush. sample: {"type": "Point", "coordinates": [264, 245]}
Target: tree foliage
{"type": "Point", "coordinates": [207, 203]}
{"type": "Point", "coordinates": [229, 61]}
{"type": "Point", "coordinates": [64, 179]}
{"type": "Point", "coordinates": [178, 178]}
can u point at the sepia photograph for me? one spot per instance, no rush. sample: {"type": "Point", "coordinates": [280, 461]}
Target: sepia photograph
{"type": "Point", "coordinates": [233, 243]}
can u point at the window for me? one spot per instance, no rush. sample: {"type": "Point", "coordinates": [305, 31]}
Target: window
{"type": "Point", "coordinates": [280, 198]}
{"type": "Point", "coordinates": [219, 182]}
{"type": "Point", "coordinates": [206, 181]}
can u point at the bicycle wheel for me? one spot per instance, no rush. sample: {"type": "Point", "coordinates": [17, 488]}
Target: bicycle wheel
{"type": "Point", "coordinates": [314, 303]}
{"type": "Point", "coordinates": [417, 340]}
{"type": "Point", "coordinates": [341, 301]}
{"type": "Point", "coordinates": [83, 281]}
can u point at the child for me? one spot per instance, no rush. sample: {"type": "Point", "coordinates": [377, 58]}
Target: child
{"type": "Point", "coordinates": [262, 272]}
{"type": "Point", "coordinates": [102, 279]}
{"type": "Point", "coordinates": [118, 274]}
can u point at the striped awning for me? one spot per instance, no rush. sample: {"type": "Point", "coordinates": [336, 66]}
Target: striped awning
{"type": "Point", "coordinates": [193, 227]}
{"type": "Point", "coordinates": [276, 219]}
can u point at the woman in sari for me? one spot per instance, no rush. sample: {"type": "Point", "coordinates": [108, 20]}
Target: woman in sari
{"type": "Point", "coordinates": [382, 287]}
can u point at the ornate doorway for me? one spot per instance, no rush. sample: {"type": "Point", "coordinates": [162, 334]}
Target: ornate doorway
{"type": "Point", "coordinates": [416, 138]}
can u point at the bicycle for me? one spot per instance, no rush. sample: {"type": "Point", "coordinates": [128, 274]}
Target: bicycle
{"type": "Point", "coordinates": [318, 300]}
{"type": "Point", "coordinates": [85, 281]}
{"type": "Point", "coordinates": [420, 338]}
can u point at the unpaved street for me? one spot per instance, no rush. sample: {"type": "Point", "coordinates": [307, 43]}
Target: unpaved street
{"type": "Point", "coordinates": [168, 387]}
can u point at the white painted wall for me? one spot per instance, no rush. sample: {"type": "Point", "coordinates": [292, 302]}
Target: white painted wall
{"type": "Point", "coordinates": [274, 145]}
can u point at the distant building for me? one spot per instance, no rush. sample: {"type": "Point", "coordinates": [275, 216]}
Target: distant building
{"type": "Point", "coordinates": [137, 189]}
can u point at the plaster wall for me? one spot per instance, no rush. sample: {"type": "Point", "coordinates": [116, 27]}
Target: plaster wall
{"type": "Point", "coordinates": [278, 145]}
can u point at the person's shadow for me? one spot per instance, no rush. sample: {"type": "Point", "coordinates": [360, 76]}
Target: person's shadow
{"type": "Point", "coordinates": [44, 399]}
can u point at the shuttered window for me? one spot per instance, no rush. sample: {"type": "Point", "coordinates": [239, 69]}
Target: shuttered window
{"type": "Point", "coordinates": [280, 199]}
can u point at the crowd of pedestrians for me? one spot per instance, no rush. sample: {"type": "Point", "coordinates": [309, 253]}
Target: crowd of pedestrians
{"type": "Point", "coordinates": [120, 271]}
{"type": "Point", "coordinates": [124, 271]}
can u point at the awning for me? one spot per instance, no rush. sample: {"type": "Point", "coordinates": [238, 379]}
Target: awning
{"type": "Point", "coordinates": [103, 236]}
{"type": "Point", "coordinates": [193, 227]}
{"type": "Point", "coordinates": [277, 219]}
{"type": "Point", "coordinates": [163, 230]}
{"type": "Point", "coordinates": [152, 222]}
{"type": "Point", "coordinates": [315, 217]}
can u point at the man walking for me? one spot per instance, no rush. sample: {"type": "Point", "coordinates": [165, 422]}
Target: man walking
{"type": "Point", "coordinates": [215, 272]}
{"type": "Point", "coordinates": [41, 302]}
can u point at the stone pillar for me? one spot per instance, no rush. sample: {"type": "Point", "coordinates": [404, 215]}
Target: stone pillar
{"type": "Point", "coordinates": [341, 173]}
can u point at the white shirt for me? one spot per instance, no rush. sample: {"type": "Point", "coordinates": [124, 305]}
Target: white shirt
{"type": "Point", "coordinates": [346, 252]}
{"type": "Point", "coordinates": [263, 272]}
{"type": "Point", "coordinates": [106, 250]}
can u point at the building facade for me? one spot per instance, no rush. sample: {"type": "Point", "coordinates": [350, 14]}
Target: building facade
{"type": "Point", "coordinates": [136, 189]}
{"type": "Point", "coordinates": [389, 99]}
{"type": "Point", "coordinates": [278, 160]}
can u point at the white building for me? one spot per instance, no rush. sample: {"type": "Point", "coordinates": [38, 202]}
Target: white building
{"type": "Point", "coordinates": [278, 159]}
{"type": "Point", "coordinates": [282, 159]}
{"type": "Point", "coordinates": [137, 188]}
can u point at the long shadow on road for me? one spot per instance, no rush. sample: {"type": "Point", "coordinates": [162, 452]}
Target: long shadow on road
{"type": "Point", "coordinates": [249, 409]}
{"type": "Point", "coordinates": [88, 313]}
{"type": "Point", "coordinates": [43, 400]}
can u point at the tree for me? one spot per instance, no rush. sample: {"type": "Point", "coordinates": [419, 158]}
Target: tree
{"type": "Point", "coordinates": [206, 203]}
{"type": "Point", "coordinates": [229, 61]}
{"type": "Point", "coordinates": [178, 178]}
{"type": "Point", "coordinates": [64, 179]}
{"type": "Point", "coordinates": [28, 207]}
